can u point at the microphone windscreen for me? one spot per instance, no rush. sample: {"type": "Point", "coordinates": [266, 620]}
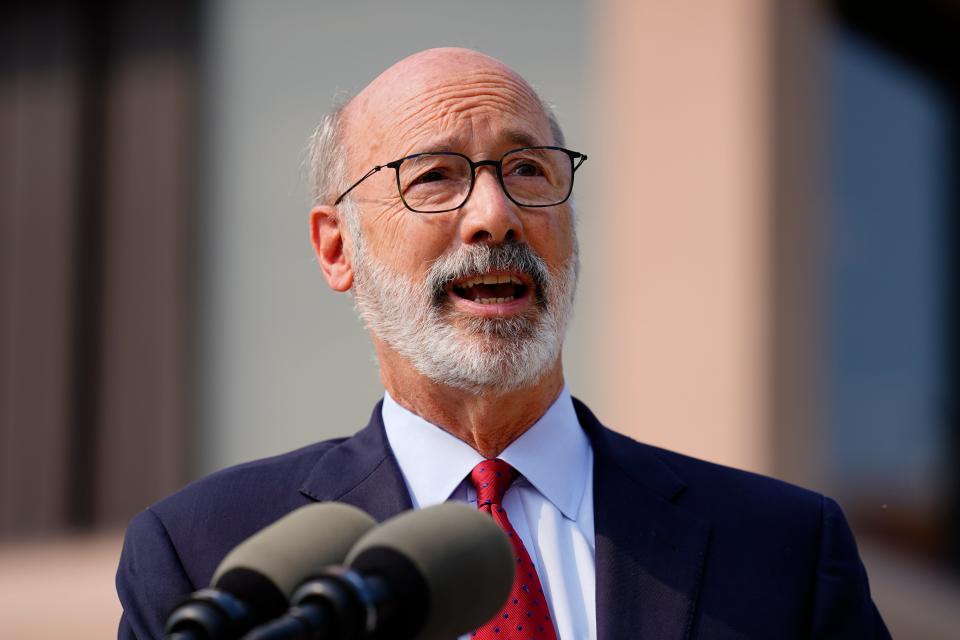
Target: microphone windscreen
{"type": "Point", "coordinates": [464, 559]}
{"type": "Point", "coordinates": [294, 547]}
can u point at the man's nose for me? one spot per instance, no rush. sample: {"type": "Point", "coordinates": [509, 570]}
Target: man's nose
{"type": "Point", "coordinates": [489, 215]}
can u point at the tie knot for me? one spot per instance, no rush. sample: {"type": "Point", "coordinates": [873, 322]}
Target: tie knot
{"type": "Point", "coordinates": [492, 478]}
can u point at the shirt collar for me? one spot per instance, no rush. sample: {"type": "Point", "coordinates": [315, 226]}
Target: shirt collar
{"type": "Point", "coordinates": [553, 455]}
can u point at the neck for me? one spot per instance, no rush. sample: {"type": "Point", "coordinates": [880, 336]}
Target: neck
{"type": "Point", "coordinates": [487, 421]}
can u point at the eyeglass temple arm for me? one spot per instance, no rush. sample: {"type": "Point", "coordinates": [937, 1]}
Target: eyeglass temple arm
{"type": "Point", "coordinates": [357, 183]}
{"type": "Point", "coordinates": [582, 159]}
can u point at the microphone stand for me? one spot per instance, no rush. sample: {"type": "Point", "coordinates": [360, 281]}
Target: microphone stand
{"type": "Point", "coordinates": [209, 614]}
{"type": "Point", "coordinates": [339, 604]}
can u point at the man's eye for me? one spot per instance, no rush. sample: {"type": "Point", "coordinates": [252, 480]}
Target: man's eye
{"type": "Point", "coordinates": [527, 170]}
{"type": "Point", "coordinates": [429, 176]}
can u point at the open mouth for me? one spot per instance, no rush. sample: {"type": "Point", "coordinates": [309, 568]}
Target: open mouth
{"type": "Point", "coordinates": [491, 288]}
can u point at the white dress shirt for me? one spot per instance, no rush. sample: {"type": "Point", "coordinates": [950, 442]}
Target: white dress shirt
{"type": "Point", "coordinates": [550, 505]}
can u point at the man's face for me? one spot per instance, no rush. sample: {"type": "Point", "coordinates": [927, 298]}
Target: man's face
{"type": "Point", "coordinates": [478, 297]}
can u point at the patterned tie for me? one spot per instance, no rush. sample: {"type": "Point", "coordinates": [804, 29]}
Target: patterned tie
{"type": "Point", "coordinates": [525, 616]}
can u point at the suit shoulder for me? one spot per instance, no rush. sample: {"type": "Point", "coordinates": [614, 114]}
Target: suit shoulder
{"type": "Point", "coordinates": [750, 514]}
{"type": "Point", "coordinates": [722, 479]}
{"type": "Point", "coordinates": [670, 473]}
{"type": "Point", "coordinates": [249, 483]}
{"type": "Point", "coordinates": [210, 516]}
{"type": "Point", "coordinates": [722, 492]}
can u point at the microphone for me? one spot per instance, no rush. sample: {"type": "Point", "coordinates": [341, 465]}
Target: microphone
{"type": "Point", "coordinates": [434, 573]}
{"type": "Point", "coordinates": [253, 583]}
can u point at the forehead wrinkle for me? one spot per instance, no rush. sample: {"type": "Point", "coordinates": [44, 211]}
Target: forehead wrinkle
{"type": "Point", "coordinates": [455, 109]}
{"type": "Point", "coordinates": [456, 104]}
{"type": "Point", "coordinates": [458, 80]}
{"type": "Point", "coordinates": [463, 97]}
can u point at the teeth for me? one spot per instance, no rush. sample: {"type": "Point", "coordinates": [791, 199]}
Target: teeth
{"type": "Point", "coordinates": [494, 300]}
{"type": "Point", "coordinates": [493, 279]}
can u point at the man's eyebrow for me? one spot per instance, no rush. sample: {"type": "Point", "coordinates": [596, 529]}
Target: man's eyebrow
{"type": "Point", "coordinates": [522, 138]}
{"type": "Point", "coordinates": [446, 143]}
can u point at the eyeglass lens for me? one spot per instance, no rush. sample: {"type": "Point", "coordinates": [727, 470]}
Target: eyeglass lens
{"type": "Point", "coordinates": [436, 182]}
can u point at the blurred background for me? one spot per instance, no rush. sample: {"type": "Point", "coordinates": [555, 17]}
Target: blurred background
{"type": "Point", "coordinates": [768, 226]}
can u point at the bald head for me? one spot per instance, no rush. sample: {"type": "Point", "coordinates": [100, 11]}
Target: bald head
{"type": "Point", "coordinates": [434, 73]}
{"type": "Point", "coordinates": [437, 91]}
{"type": "Point", "coordinates": [425, 71]}
{"type": "Point", "coordinates": [451, 80]}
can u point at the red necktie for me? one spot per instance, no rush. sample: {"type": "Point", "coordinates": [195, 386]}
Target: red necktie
{"type": "Point", "coordinates": [525, 616]}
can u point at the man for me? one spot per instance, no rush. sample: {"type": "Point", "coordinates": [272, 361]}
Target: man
{"type": "Point", "coordinates": [442, 194]}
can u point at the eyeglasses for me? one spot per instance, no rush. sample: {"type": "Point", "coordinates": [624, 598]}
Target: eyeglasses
{"type": "Point", "coordinates": [436, 182]}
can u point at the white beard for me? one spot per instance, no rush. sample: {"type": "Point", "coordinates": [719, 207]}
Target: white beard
{"type": "Point", "coordinates": [483, 354]}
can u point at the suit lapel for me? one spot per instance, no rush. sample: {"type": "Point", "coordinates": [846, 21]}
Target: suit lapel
{"type": "Point", "coordinates": [649, 552]}
{"type": "Point", "coordinates": [361, 471]}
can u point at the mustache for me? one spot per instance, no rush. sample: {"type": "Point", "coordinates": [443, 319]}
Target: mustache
{"type": "Point", "coordinates": [476, 260]}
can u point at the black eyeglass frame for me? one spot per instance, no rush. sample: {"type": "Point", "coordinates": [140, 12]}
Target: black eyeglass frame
{"type": "Point", "coordinates": [576, 159]}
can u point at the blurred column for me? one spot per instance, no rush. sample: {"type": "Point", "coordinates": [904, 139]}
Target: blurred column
{"type": "Point", "coordinates": [143, 445]}
{"type": "Point", "coordinates": [796, 295]}
{"type": "Point", "coordinates": [684, 174]}
{"type": "Point", "coordinates": [40, 117]}
{"type": "Point", "coordinates": [96, 144]}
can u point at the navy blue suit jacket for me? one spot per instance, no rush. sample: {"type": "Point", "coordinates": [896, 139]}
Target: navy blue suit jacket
{"type": "Point", "coordinates": [684, 548]}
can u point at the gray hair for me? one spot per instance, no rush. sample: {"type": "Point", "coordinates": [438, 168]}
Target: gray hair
{"type": "Point", "coordinates": [326, 157]}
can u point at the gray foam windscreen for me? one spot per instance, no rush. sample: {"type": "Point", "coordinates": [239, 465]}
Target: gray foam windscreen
{"type": "Point", "coordinates": [299, 544]}
{"type": "Point", "coordinates": [463, 556]}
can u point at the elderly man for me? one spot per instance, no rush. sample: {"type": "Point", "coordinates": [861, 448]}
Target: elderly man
{"type": "Point", "coordinates": [442, 202]}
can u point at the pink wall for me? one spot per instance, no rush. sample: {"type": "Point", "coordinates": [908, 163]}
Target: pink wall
{"type": "Point", "coordinates": [683, 196]}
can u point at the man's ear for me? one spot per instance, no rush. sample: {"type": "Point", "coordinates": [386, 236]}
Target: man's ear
{"type": "Point", "coordinates": [328, 243]}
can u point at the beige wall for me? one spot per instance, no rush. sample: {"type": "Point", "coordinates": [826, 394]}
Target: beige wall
{"type": "Point", "coordinates": [59, 588]}
{"type": "Point", "coordinates": [684, 178]}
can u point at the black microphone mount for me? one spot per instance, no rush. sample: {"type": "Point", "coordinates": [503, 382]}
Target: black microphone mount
{"type": "Point", "coordinates": [209, 614]}
{"type": "Point", "coordinates": [381, 595]}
